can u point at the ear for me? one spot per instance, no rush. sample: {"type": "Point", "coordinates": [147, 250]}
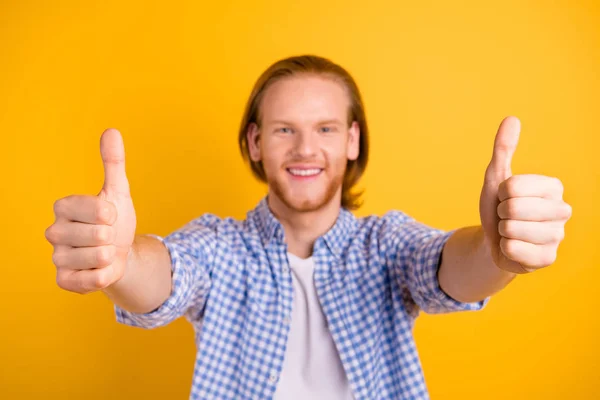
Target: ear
{"type": "Point", "coordinates": [253, 137]}
{"type": "Point", "coordinates": [353, 141]}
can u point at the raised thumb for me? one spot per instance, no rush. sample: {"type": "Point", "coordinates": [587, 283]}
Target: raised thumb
{"type": "Point", "coordinates": [505, 145]}
{"type": "Point", "coordinates": [113, 158]}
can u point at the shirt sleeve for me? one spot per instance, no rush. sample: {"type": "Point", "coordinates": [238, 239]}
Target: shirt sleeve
{"type": "Point", "coordinates": [414, 251]}
{"type": "Point", "coordinates": [191, 250]}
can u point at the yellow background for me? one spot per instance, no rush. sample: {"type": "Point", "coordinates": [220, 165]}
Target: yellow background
{"type": "Point", "coordinates": [437, 79]}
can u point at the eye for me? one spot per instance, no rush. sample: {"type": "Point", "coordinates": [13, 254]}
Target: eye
{"type": "Point", "coordinates": [327, 129]}
{"type": "Point", "coordinates": [284, 130]}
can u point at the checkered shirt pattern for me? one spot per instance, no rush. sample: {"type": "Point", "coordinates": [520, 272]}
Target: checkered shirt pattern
{"type": "Point", "coordinates": [232, 282]}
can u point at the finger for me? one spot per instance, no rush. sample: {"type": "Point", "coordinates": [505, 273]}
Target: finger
{"type": "Point", "coordinates": [528, 254]}
{"type": "Point", "coordinates": [112, 151]}
{"type": "Point", "coordinates": [77, 234]}
{"type": "Point", "coordinates": [505, 145]}
{"type": "Point", "coordinates": [532, 232]}
{"type": "Point", "coordinates": [530, 186]}
{"type": "Point", "coordinates": [86, 209]}
{"type": "Point", "coordinates": [84, 281]}
{"type": "Point", "coordinates": [83, 257]}
{"type": "Point", "coordinates": [534, 209]}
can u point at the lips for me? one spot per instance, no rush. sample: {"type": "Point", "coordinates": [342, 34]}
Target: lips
{"type": "Point", "coordinates": [304, 172]}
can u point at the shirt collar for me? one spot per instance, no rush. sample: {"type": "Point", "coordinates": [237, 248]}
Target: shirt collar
{"type": "Point", "coordinates": [270, 229]}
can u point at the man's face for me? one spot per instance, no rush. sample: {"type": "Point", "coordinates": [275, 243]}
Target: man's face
{"type": "Point", "coordinates": [304, 141]}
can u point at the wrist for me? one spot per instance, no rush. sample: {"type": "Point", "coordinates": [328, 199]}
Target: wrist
{"type": "Point", "coordinates": [123, 267]}
{"type": "Point", "coordinates": [487, 248]}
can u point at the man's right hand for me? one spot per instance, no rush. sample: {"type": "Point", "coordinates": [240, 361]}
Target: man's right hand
{"type": "Point", "coordinates": [93, 235]}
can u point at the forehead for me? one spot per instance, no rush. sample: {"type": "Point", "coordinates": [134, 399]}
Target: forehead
{"type": "Point", "coordinates": [305, 98]}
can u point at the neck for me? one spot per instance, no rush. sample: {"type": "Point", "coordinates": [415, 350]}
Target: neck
{"type": "Point", "coordinates": [303, 228]}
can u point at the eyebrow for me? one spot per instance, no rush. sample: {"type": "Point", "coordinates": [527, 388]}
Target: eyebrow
{"type": "Point", "coordinates": [324, 122]}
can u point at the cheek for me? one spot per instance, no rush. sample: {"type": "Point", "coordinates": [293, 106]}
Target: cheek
{"type": "Point", "coordinates": [336, 153]}
{"type": "Point", "coordinates": [273, 156]}
{"type": "Point", "coordinates": [269, 164]}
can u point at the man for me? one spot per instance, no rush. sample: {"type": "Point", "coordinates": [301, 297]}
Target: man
{"type": "Point", "coordinates": [302, 300]}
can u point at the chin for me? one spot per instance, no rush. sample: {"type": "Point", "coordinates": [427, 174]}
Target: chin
{"type": "Point", "coordinates": [304, 202]}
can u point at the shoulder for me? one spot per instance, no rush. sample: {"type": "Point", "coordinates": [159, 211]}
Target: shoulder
{"type": "Point", "coordinates": [392, 229]}
{"type": "Point", "coordinates": [210, 228]}
{"type": "Point", "coordinates": [211, 221]}
{"type": "Point", "coordinates": [389, 221]}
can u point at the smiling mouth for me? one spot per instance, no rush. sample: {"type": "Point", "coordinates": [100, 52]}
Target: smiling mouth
{"type": "Point", "coordinates": [304, 173]}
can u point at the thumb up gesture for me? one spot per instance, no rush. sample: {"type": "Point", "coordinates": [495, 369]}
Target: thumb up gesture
{"type": "Point", "coordinates": [523, 216]}
{"type": "Point", "coordinates": [92, 235]}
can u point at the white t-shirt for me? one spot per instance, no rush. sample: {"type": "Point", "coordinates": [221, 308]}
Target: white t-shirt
{"type": "Point", "coordinates": [312, 368]}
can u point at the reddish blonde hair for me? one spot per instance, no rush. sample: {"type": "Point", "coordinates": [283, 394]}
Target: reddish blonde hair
{"type": "Point", "coordinates": [310, 64]}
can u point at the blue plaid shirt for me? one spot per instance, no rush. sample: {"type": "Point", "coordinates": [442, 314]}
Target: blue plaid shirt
{"type": "Point", "coordinates": [232, 281]}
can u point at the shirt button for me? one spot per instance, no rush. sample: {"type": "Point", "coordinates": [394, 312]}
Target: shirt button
{"type": "Point", "coordinates": [286, 320]}
{"type": "Point", "coordinates": [285, 269]}
{"type": "Point", "coordinates": [273, 377]}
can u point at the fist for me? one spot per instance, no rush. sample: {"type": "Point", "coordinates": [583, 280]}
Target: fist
{"type": "Point", "coordinates": [92, 236]}
{"type": "Point", "coordinates": [523, 216]}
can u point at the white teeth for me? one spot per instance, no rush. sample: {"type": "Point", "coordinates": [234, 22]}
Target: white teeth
{"type": "Point", "coordinates": [304, 172]}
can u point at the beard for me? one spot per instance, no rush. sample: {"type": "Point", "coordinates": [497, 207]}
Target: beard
{"type": "Point", "coordinates": [309, 200]}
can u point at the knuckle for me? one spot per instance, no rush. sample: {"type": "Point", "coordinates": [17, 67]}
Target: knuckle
{"type": "Point", "coordinates": [101, 212]}
{"type": "Point", "coordinates": [60, 280]}
{"type": "Point", "coordinates": [51, 234]}
{"type": "Point", "coordinates": [507, 228]}
{"type": "Point", "coordinates": [100, 280]}
{"type": "Point", "coordinates": [104, 255]}
{"type": "Point", "coordinates": [509, 247]}
{"type": "Point", "coordinates": [58, 259]}
{"type": "Point", "coordinates": [101, 233]}
{"type": "Point", "coordinates": [63, 281]}
{"type": "Point", "coordinates": [66, 280]}
{"type": "Point", "coordinates": [59, 206]}
{"type": "Point", "coordinates": [568, 211]}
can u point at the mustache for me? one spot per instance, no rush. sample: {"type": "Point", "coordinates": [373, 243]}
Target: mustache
{"type": "Point", "coordinates": [301, 159]}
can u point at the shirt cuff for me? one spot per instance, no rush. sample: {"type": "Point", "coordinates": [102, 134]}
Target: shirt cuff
{"type": "Point", "coordinates": [426, 261]}
{"type": "Point", "coordinates": [166, 312]}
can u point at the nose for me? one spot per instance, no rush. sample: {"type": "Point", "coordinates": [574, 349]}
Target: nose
{"type": "Point", "coordinates": [306, 144]}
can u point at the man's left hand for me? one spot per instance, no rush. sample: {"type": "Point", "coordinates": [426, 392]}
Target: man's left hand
{"type": "Point", "coordinates": [523, 216]}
